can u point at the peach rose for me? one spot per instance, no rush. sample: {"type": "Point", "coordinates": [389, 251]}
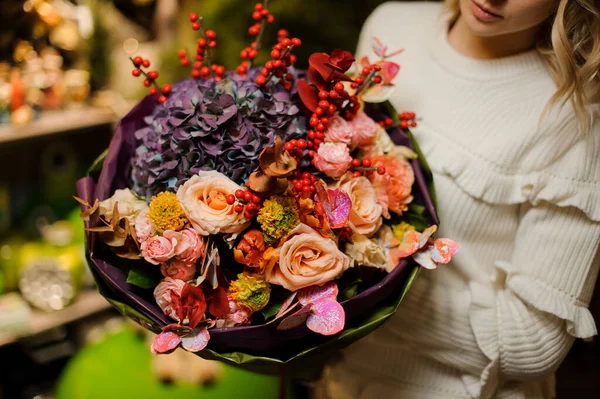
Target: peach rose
{"type": "Point", "coordinates": [194, 246]}
{"type": "Point", "coordinates": [305, 259]}
{"type": "Point", "coordinates": [158, 249]}
{"type": "Point", "coordinates": [365, 130]}
{"type": "Point", "coordinates": [178, 269]}
{"type": "Point", "coordinates": [365, 214]}
{"type": "Point", "coordinates": [203, 198]}
{"type": "Point", "coordinates": [339, 131]}
{"type": "Point", "coordinates": [333, 159]}
{"type": "Point", "coordinates": [395, 186]}
{"type": "Point", "coordinates": [143, 226]}
{"type": "Point", "coordinates": [162, 294]}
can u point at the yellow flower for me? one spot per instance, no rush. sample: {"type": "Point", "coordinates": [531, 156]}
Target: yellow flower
{"type": "Point", "coordinates": [166, 213]}
{"type": "Point", "coordinates": [400, 229]}
{"type": "Point", "coordinates": [277, 217]}
{"type": "Point", "coordinates": [250, 291]}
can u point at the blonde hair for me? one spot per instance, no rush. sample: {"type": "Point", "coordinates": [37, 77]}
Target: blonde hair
{"type": "Point", "coordinates": [571, 48]}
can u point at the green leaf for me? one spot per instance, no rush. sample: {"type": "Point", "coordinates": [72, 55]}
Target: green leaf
{"type": "Point", "coordinates": [143, 278]}
{"type": "Point", "coordinates": [96, 168]}
{"type": "Point", "coordinates": [416, 208]}
{"type": "Point", "coordinates": [273, 307]}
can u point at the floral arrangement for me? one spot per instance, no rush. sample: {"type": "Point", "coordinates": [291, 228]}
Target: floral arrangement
{"type": "Point", "coordinates": [263, 196]}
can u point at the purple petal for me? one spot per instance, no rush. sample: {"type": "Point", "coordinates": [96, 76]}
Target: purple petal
{"type": "Point", "coordinates": [316, 293]}
{"type": "Point", "coordinates": [165, 342]}
{"type": "Point", "coordinates": [196, 340]}
{"type": "Point", "coordinates": [296, 319]}
{"type": "Point", "coordinates": [327, 317]}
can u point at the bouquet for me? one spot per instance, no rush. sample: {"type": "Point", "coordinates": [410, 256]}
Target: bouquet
{"type": "Point", "coordinates": [264, 215]}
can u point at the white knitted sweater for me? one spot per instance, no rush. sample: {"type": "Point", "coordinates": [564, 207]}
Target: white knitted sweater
{"type": "Point", "coordinates": [522, 197]}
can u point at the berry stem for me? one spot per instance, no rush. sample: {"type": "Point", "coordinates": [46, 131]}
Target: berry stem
{"type": "Point", "coordinates": [146, 75]}
{"type": "Point", "coordinates": [258, 40]}
{"type": "Point", "coordinates": [208, 57]}
{"type": "Point", "coordinates": [366, 83]}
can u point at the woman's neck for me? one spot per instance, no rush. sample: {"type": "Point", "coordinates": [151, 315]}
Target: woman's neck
{"type": "Point", "coordinates": [480, 47]}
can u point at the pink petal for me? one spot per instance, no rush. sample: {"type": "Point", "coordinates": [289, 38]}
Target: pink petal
{"type": "Point", "coordinates": [165, 342]}
{"type": "Point", "coordinates": [327, 317]}
{"type": "Point", "coordinates": [286, 305]}
{"type": "Point", "coordinates": [196, 340]}
{"type": "Point", "coordinates": [295, 319]}
{"type": "Point", "coordinates": [443, 250]}
{"type": "Point", "coordinates": [423, 258]}
{"type": "Point", "coordinates": [339, 211]}
{"type": "Point", "coordinates": [390, 70]}
{"type": "Point", "coordinates": [427, 233]}
{"type": "Point", "coordinates": [409, 244]}
{"type": "Point", "coordinates": [315, 293]}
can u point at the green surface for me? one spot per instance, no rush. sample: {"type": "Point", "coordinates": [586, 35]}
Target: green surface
{"type": "Point", "coordinates": [120, 367]}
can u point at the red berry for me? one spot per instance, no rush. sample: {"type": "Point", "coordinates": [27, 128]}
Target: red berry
{"type": "Point", "coordinates": [261, 80]}
{"type": "Point", "coordinates": [314, 121]}
{"type": "Point", "coordinates": [301, 144]}
{"type": "Point", "coordinates": [404, 124]}
{"type": "Point", "coordinates": [247, 196]}
{"type": "Point", "coordinates": [146, 63]}
{"type": "Point", "coordinates": [320, 135]}
{"type": "Point", "coordinates": [275, 54]}
{"type": "Point", "coordinates": [195, 26]}
{"type": "Point", "coordinates": [253, 31]}
{"type": "Point", "coordinates": [366, 162]}
{"type": "Point", "coordinates": [306, 189]}
{"type": "Point", "coordinates": [381, 170]}
{"type": "Point", "coordinates": [376, 67]}
{"type": "Point", "coordinates": [354, 85]}
{"type": "Point", "coordinates": [218, 78]}
{"type": "Point", "coordinates": [152, 75]}
{"type": "Point", "coordinates": [296, 42]}
{"type": "Point", "coordinates": [388, 121]}
{"type": "Point", "coordinates": [239, 193]}
{"type": "Point", "coordinates": [256, 15]}
{"type": "Point", "coordinates": [311, 135]}
{"type": "Point", "coordinates": [147, 83]}
{"type": "Point", "coordinates": [137, 61]}
{"type": "Point", "coordinates": [256, 199]}
{"type": "Point", "coordinates": [136, 72]}
{"type": "Point", "coordinates": [239, 208]}
{"type": "Point", "coordinates": [211, 34]}
{"type": "Point", "coordinates": [306, 175]}
{"type": "Point", "coordinates": [181, 53]}
{"type": "Point", "coordinates": [377, 79]}
{"type": "Point", "coordinates": [319, 111]}
{"type": "Point", "coordinates": [277, 64]}
{"type": "Point", "coordinates": [306, 181]}
{"type": "Point", "coordinates": [318, 142]}
{"type": "Point", "coordinates": [230, 199]}
{"type": "Point", "coordinates": [205, 71]}
{"type": "Point", "coordinates": [323, 95]}
{"type": "Point", "coordinates": [270, 19]}
{"type": "Point", "coordinates": [212, 44]}
{"type": "Point", "coordinates": [331, 109]}
{"type": "Point", "coordinates": [325, 120]}
{"type": "Point", "coordinates": [252, 54]}
{"type": "Point", "coordinates": [193, 17]}
{"type": "Point", "coordinates": [185, 61]}
{"type": "Point", "coordinates": [414, 124]}
{"type": "Point", "coordinates": [360, 80]}
{"type": "Point", "coordinates": [288, 146]}
{"type": "Point", "coordinates": [321, 127]}
{"type": "Point", "coordinates": [264, 72]}
{"type": "Point", "coordinates": [366, 71]}
{"type": "Point", "coordinates": [333, 94]}
{"type": "Point", "coordinates": [357, 174]}
{"type": "Point", "coordinates": [356, 162]}
{"type": "Point", "coordinates": [153, 90]}
{"type": "Point", "coordinates": [251, 206]}
{"type": "Point", "coordinates": [411, 115]}
{"type": "Point", "coordinates": [298, 185]}
{"type": "Point", "coordinates": [258, 6]}
{"type": "Point", "coordinates": [286, 42]}
{"type": "Point", "coordinates": [197, 65]}
{"type": "Point", "coordinates": [311, 153]}
{"type": "Point", "coordinates": [201, 42]}
{"type": "Point", "coordinates": [244, 54]}
{"type": "Point", "coordinates": [196, 73]}
{"type": "Point", "coordinates": [323, 104]}
{"type": "Point", "coordinates": [282, 33]}
{"type": "Point", "coordinates": [162, 99]}
{"type": "Point", "coordinates": [248, 214]}
{"type": "Point", "coordinates": [339, 86]}
{"type": "Point", "coordinates": [269, 65]}
{"type": "Point", "coordinates": [294, 143]}
{"type": "Point", "coordinates": [264, 12]}
{"type": "Point", "coordinates": [220, 70]}
{"type": "Point", "coordinates": [166, 88]}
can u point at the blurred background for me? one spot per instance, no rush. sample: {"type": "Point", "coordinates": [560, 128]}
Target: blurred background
{"type": "Point", "coordinates": [65, 81]}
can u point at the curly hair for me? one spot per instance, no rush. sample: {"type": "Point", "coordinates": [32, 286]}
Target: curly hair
{"type": "Point", "coordinates": [571, 48]}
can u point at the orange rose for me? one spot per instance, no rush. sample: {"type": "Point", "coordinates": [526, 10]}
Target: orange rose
{"type": "Point", "coordinates": [394, 187]}
{"type": "Point", "coordinates": [249, 250]}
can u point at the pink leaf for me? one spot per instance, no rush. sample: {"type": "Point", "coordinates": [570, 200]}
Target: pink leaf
{"type": "Point", "coordinates": [389, 71]}
{"type": "Point", "coordinates": [315, 293]}
{"type": "Point", "coordinates": [286, 305]}
{"type": "Point", "coordinates": [378, 48]}
{"type": "Point", "coordinates": [423, 258]}
{"type": "Point", "coordinates": [296, 319]}
{"type": "Point", "coordinates": [339, 207]}
{"type": "Point", "coordinates": [165, 342]}
{"type": "Point", "coordinates": [427, 233]}
{"type": "Point", "coordinates": [196, 340]}
{"type": "Point", "coordinates": [409, 244]}
{"type": "Point", "coordinates": [443, 250]}
{"type": "Point", "coordinates": [327, 317]}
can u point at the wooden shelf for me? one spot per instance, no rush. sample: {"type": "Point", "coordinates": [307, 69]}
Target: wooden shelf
{"type": "Point", "coordinates": [53, 122]}
{"type": "Point", "coordinates": [87, 303]}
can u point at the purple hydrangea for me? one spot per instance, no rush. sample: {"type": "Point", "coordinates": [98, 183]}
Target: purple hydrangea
{"type": "Point", "coordinates": [210, 125]}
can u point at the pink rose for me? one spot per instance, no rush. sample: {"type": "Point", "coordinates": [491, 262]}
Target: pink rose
{"type": "Point", "coordinates": [365, 130]}
{"type": "Point", "coordinates": [339, 131]}
{"type": "Point", "coordinates": [163, 292]}
{"type": "Point", "coordinates": [237, 316]}
{"type": "Point", "coordinates": [204, 200]}
{"type": "Point", "coordinates": [191, 248]}
{"type": "Point", "coordinates": [178, 269]}
{"type": "Point", "coordinates": [333, 159]}
{"type": "Point", "coordinates": [305, 259]}
{"type": "Point", "coordinates": [394, 187]}
{"type": "Point", "coordinates": [158, 249]}
{"type": "Point", "coordinates": [143, 226]}
{"type": "Point", "coordinates": [365, 214]}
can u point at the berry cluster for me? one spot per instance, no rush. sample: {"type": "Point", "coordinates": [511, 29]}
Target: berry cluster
{"type": "Point", "coordinates": [369, 73]}
{"type": "Point", "coordinates": [304, 182]}
{"type": "Point", "coordinates": [150, 78]}
{"type": "Point", "coordinates": [387, 122]}
{"type": "Point", "coordinates": [360, 166]}
{"type": "Point", "coordinates": [281, 59]}
{"type": "Point", "coordinates": [321, 118]}
{"type": "Point", "coordinates": [407, 119]}
{"type": "Point", "coordinates": [260, 14]}
{"type": "Point", "coordinates": [246, 202]}
{"type": "Point", "coordinates": [296, 148]}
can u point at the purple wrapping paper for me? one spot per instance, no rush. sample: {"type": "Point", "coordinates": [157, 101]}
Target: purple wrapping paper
{"type": "Point", "coordinates": [255, 339]}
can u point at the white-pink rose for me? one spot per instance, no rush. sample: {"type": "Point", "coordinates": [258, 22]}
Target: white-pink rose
{"type": "Point", "coordinates": [364, 130]}
{"type": "Point", "coordinates": [178, 269]}
{"type": "Point", "coordinates": [339, 131]}
{"type": "Point", "coordinates": [333, 159]}
{"type": "Point", "coordinates": [365, 214]}
{"type": "Point", "coordinates": [306, 258]}
{"type": "Point", "coordinates": [195, 246]}
{"type": "Point", "coordinates": [143, 226]}
{"type": "Point", "coordinates": [162, 294]}
{"type": "Point", "coordinates": [204, 200]}
{"type": "Point", "coordinates": [158, 249]}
